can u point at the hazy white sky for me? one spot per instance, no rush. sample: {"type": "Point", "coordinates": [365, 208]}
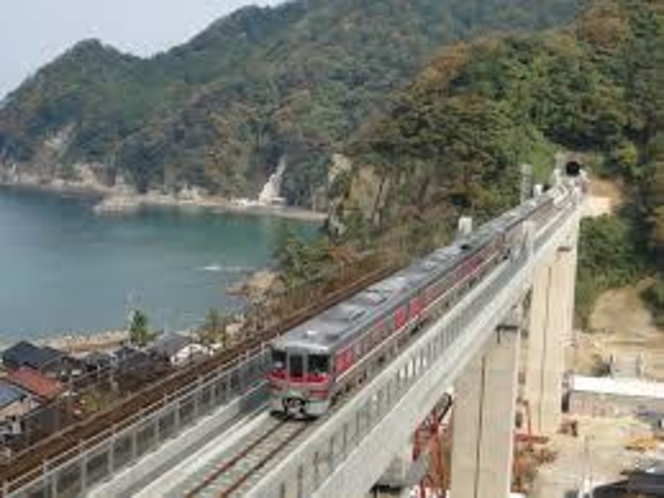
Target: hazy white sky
{"type": "Point", "coordinates": [33, 32]}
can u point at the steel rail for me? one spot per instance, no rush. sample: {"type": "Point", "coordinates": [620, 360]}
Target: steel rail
{"type": "Point", "coordinates": [267, 446]}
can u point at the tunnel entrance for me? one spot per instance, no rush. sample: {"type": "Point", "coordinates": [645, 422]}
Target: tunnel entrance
{"type": "Point", "coordinates": [573, 168]}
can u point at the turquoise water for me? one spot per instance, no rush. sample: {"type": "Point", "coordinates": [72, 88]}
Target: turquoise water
{"type": "Point", "coordinates": [64, 269]}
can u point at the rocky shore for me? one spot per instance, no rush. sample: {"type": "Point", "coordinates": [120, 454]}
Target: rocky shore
{"type": "Point", "coordinates": [124, 200]}
{"type": "Point", "coordinates": [82, 344]}
{"type": "Point", "coordinates": [256, 285]}
{"type": "Point", "coordinates": [127, 204]}
{"type": "Point", "coordinates": [57, 186]}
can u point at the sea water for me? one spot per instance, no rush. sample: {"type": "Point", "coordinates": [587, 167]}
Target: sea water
{"type": "Point", "coordinates": [64, 269]}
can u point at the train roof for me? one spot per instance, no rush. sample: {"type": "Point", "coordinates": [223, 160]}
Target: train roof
{"type": "Point", "coordinates": [337, 325]}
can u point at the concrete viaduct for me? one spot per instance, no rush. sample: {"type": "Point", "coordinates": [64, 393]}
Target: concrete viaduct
{"type": "Point", "coordinates": [475, 349]}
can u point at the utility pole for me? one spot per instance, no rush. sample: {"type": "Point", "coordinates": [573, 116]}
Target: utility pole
{"type": "Point", "coordinates": [526, 182]}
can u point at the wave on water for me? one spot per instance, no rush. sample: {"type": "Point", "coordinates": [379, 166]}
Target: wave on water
{"type": "Point", "coordinates": [4, 344]}
{"type": "Point", "coordinates": [216, 268]}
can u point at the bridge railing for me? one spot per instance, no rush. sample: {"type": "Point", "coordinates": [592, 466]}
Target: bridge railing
{"type": "Point", "coordinates": [406, 390]}
{"type": "Point", "coordinates": [73, 475]}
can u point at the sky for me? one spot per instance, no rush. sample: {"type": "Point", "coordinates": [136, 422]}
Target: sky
{"type": "Point", "coordinates": [34, 32]}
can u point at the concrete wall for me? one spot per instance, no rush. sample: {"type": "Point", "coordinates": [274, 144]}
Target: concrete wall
{"type": "Point", "coordinates": [611, 405]}
{"type": "Point", "coordinates": [550, 328]}
{"type": "Point", "coordinates": [16, 409]}
{"type": "Point", "coordinates": [483, 422]}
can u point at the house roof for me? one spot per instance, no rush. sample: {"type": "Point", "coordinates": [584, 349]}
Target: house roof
{"type": "Point", "coordinates": [25, 353]}
{"type": "Point", "coordinates": [98, 359]}
{"type": "Point", "coordinates": [34, 382]}
{"type": "Point", "coordinates": [9, 394]}
{"type": "Point", "coordinates": [129, 358]}
{"type": "Point", "coordinates": [170, 344]}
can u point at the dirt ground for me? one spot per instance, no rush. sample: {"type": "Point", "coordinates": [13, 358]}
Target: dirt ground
{"type": "Point", "coordinates": [609, 189]}
{"type": "Point", "coordinates": [598, 455]}
{"type": "Point", "coordinates": [621, 327]}
{"type": "Point", "coordinates": [623, 311]}
{"type": "Point", "coordinates": [605, 197]}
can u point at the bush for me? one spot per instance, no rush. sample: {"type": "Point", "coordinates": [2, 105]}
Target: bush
{"type": "Point", "coordinates": [610, 255]}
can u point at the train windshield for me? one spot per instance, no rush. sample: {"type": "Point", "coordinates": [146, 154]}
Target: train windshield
{"type": "Point", "coordinates": [296, 365]}
{"type": "Point", "coordinates": [319, 364]}
{"type": "Point", "coordinates": [278, 360]}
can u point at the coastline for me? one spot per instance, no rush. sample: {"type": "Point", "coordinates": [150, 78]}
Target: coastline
{"type": "Point", "coordinates": [78, 344]}
{"type": "Point", "coordinates": [68, 189]}
{"type": "Point", "coordinates": [128, 204]}
{"type": "Point", "coordinates": [120, 201]}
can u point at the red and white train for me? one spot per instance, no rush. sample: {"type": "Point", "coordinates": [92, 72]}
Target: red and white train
{"type": "Point", "coordinates": [322, 358]}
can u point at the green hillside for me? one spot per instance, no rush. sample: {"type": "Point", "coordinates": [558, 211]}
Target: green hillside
{"type": "Point", "coordinates": [452, 142]}
{"type": "Point", "coordinates": [291, 82]}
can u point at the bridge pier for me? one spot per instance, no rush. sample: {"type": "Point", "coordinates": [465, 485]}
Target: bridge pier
{"type": "Point", "coordinates": [551, 315]}
{"type": "Point", "coordinates": [483, 421]}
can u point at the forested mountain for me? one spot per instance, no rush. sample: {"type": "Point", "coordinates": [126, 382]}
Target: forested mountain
{"type": "Point", "coordinates": [452, 142]}
{"type": "Point", "coordinates": [264, 84]}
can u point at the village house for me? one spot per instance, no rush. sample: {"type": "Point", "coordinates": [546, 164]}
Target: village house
{"type": "Point", "coordinates": [48, 361]}
{"type": "Point", "coordinates": [35, 383]}
{"type": "Point", "coordinates": [98, 360]}
{"type": "Point", "coordinates": [178, 348]}
{"type": "Point", "coordinates": [128, 358]}
{"type": "Point", "coordinates": [14, 402]}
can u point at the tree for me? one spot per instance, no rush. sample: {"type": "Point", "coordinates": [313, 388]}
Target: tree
{"type": "Point", "coordinates": [214, 330]}
{"type": "Point", "coordinates": [300, 261]}
{"type": "Point", "coordinates": [654, 296]}
{"type": "Point", "coordinates": [139, 329]}
{"type": "Point", "coordinates": [611, 254]}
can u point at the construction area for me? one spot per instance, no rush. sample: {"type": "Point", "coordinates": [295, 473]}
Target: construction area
{"type": "Point", "coordinates": [611, 435]}
{"type": "Point", "coordinates": [612, 425]}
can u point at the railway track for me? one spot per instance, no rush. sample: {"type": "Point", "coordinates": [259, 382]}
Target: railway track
{"type": "Point", "coordinates": [233, 474]}
{"type": "Point", "coordinates": [69, 443]}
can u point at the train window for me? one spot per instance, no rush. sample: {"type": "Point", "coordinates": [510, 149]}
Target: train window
{"type": "Point", "coordinates": [296, 365]}
{"type": "Point", "coordinates": [319, 364]}
{"type": "Point", "coordinates": [278, 359]}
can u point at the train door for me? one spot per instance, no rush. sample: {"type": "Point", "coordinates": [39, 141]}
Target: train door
{"type": "Point", "coordinates": [279, 363]}
{"type": "Point", "coordinates": [296, 366]}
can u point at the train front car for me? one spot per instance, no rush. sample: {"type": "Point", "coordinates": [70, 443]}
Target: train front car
{"type": "Point", "coordinates": [300, 376]}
